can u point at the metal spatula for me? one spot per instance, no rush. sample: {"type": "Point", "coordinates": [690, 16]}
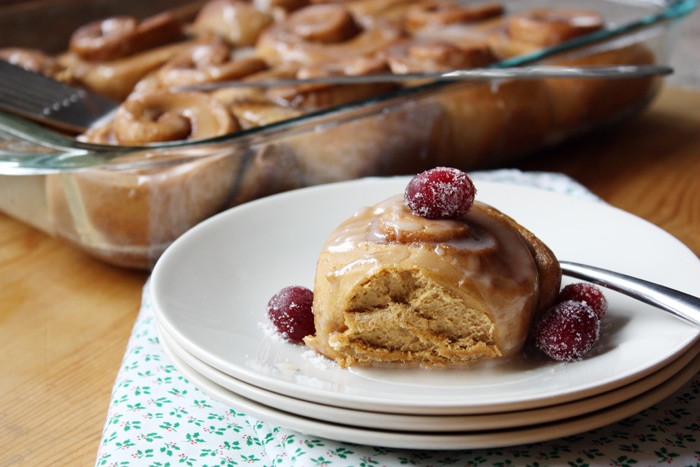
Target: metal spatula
{"type": "Point", "coordinates": [39, 98]}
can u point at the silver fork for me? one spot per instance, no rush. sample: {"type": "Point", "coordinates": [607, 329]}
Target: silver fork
{"type": "Point", "coordinates": [37, 97]}
{"type": "Point", "coordinates": [679, 304]}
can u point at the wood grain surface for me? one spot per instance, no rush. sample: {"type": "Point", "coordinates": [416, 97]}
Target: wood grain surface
{"type": "Point", "coordinates": [649, 166]}
{"type": "Point", "coordinates": [65, 318]}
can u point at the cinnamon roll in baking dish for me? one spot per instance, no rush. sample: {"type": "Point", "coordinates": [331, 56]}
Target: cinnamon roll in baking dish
{"type": "Point", "coordinates": [109, 56]}
{"type": "Point", "coordinates": [158, 117]}
{"type": "Point", "coordinates": [238, 23]}
{"type": "Point", "coordinates": [31, 59]}
{"type": "Point", "coordinates": [467, 125]}
{"type": "Point", "coordinates": [129, 216]}
{"type": "Point", "coordinates": [323, 33]}
{"type": "Point", "coordinates": [573, 102]}
{"type": "Point", "coordinates": [201, 62]}
{"type": "Point", "coordinates": [248, 40]}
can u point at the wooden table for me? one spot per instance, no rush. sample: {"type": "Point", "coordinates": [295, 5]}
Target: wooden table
{"type": "Point", "coordinates": [65, 318]}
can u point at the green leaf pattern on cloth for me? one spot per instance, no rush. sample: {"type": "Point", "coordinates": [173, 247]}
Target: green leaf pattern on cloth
{"type": "Point", "coordinates": [158, 418]}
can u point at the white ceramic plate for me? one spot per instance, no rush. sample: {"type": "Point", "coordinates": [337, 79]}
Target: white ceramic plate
{"type": "Point", "coordinates": [427, 423]}
{"type": "Point", "coordinates": [210, 289]}
{"type": "Point", "coordinates": [441, 441]}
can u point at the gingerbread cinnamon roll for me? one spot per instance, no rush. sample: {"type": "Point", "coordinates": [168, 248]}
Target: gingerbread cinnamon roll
{"type": "Point", "coordinates": [387, 10]}
{"type": "Point", "coordinates": [201, 63]}
{"type": "Point", "coordinates": [537, 29]}
{"type": "Point", "coordinates": [318, 96]}
{"type": "Point", "coordinates": [427, 54]}
{"type": "Point", "coordinates": [254, 113]}
{"type": "Point", "coordinates": [575, 103]}
{"type": "Point", "coordinates": [548, 27]}
{"type": "Point", "coordinates": [238, 22]}
{"type": "Point", "coordinates": [586, 102]}
{"type": "Point", "coordinates": [436, 13]}
{"type": "Point", "coordinates": [127, 217]}
{"type": "Point", "coordinates": [118, 37]}
{"type": "Point", "coordinates": [234, 94]}
{"type": "Point", "coordinates": [280, 8]}
{"type": "Point", "coordinates": [253, 106]}
{"type": "Point", "coordinates": [164, 116]}
{"type": "Point", "coordinates": [485, 124]}
{"type": "Point", "coordinates": [322, 33]}
{"type": "Point", "coordinates": [116, 78]}
{"type": "Point", "coordinates": [32, 60]}
{"type": "Point", "coordinates": [130, 215]}
{"type": "Point", "coordinates": [394, 288]}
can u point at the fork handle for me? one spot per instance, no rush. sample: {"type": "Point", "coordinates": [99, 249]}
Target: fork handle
{"type": "Point", "coordinates": [679, 304]}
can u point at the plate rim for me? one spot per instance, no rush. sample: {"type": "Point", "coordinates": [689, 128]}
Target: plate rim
{"type": "Point", "coordinates": [352, 401]}
{"type": "Point", "coordinates": [433, 423]}
{"type": "Point", "coordinates": [441, 440]}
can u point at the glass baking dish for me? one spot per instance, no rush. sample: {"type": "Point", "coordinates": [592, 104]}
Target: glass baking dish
{"type": "Point", "coordinates": [125, 204]}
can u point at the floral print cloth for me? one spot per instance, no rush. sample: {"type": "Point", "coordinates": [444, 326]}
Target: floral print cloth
{"type": "Point", "coordinates": [158, 418]}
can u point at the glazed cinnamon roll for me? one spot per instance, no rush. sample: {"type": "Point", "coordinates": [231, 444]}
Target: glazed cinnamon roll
{"type": "Point", "coordinates": [575, 103]}
{"type": "Point", "coordinates": [164, 116]}
{"type": "Point", "coordinates": [395, 288]}
{"type": "Point", "coordinates": [253, 106]}
{"type": "Point", "coordinates": [318, 96]}
{"type": "Point", "coordinates": [32, 60]}
{"type": "Point", "coordinates": [535, 30]}
{"type": "Point", "coordinates": [323, 33]}
{"type": "Point", "coordinates": [253, 113]}
{"type": "Point", "coordinates": [280, 8]}
{"type": "Point", "coordinates": [127, 217]}
{"type": "Point", "coordinates": [238, 22]}
{"type": "Point", "coordinates": [583, 102]}
{"type": "Point", "coordinates": [110, 56]}
{"type": "Point", "coordinates": [388, 10]}
{"type": "Point", "coordinates": [116, 78]}
{"type": "Point", "coordinates": [427, 54]}
{"type": "Point", "coordinates": [201, 63]}
{"type": "Point", "coordinates": [548, 27]}
{"type": "Point", "coordinates": [436, 13]}
{"type": "Point", "coordinates": [123, 36]}
{"type": "Point", "coordinates": [485, 124]}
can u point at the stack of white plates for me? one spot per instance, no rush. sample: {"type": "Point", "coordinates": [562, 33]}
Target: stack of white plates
{"type": "Point", "coordinates": [210, 289]}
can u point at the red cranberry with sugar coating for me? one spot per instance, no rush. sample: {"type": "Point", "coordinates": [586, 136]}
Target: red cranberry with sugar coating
{"type": "Point", "coordinates": [587, 293]}
{"type": "Point", "coordinates": [567, 331]}
{"type": "Point", "coordinates": [290, 311]}
{"type": "Point", "coordinates": [440, 193]}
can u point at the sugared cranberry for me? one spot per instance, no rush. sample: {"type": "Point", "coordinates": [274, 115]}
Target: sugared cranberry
{"type": "Point", "coordinates": [290, 312]}
{"type": "Point", "coordinates": [567, 331]}
{"type": "Point", "coordinates": [440, 193]}
{"type": "Point", "coordinates": [587, 293]}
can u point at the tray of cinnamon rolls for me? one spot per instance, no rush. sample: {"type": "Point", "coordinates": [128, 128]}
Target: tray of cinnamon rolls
{"type": "Point", "coordinates": [172, 156]}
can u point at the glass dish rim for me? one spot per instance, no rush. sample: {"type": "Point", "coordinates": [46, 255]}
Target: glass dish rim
{"type": "Point", "coordinates": [76, 155]}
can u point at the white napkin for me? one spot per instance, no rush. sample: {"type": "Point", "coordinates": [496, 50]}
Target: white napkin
{"type": "Point", "coordinates": [158, 418]}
